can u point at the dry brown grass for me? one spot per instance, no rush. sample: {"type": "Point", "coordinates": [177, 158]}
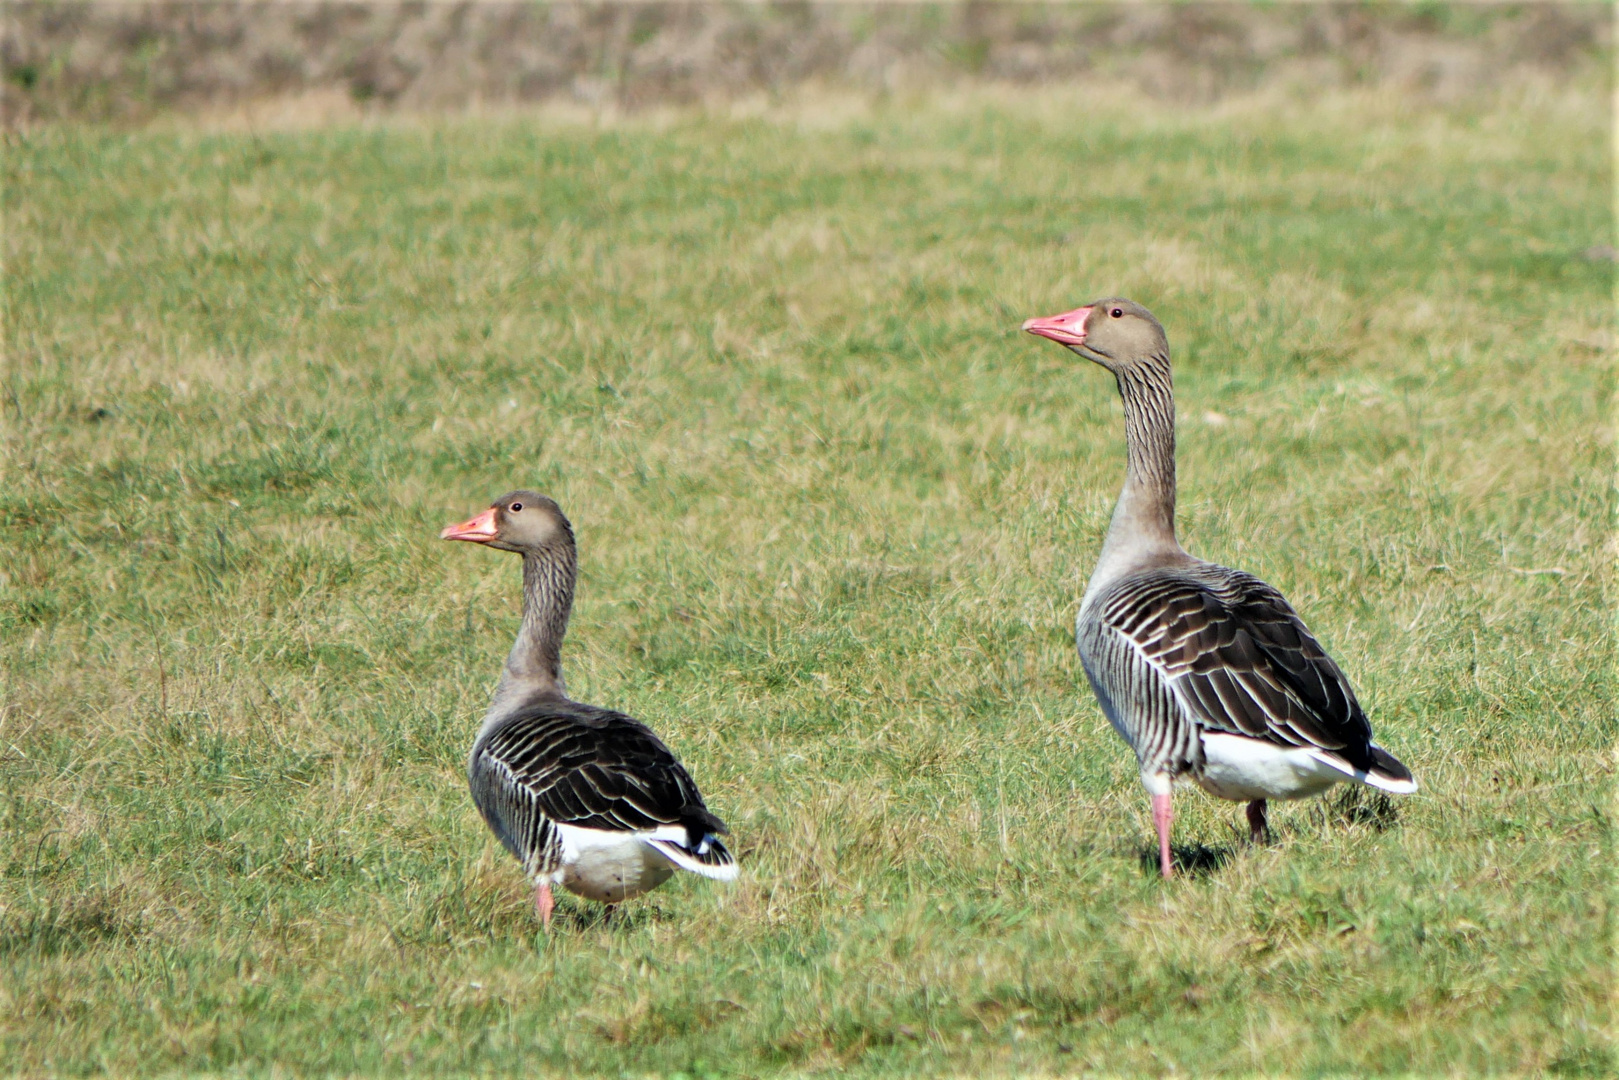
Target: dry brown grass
{"type": "Point", "coordinates": [300, 61]}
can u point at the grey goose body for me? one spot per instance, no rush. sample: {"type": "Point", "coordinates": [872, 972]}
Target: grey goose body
{"type": "Point", "coordinates": [1177, 654]}
{"type": "Point", "coordinates": [583, 797]}
{"type": "Point", "coordinates": [1207, 672]}
{"type": "Point", "coordinates": [552, 772]}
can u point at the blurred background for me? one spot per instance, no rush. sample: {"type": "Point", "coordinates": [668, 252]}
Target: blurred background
{"type": "Point", "coordinates": [127, 61]}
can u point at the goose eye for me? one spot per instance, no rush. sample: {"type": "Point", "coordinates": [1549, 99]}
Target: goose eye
{"type": "Point", "coordinates": [516, 507]}
{"type": "Point", "coordinates": [1117, 313]}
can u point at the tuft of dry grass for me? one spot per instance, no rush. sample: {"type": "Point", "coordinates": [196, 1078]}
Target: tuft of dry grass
{"type": "Point", "coordinates": [835, 515]}
{"type": "Point", "coordinates": [285, 63]}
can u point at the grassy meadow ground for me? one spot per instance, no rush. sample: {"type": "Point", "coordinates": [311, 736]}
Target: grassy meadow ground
{"type": "Point", "coordinates": [835, 516]}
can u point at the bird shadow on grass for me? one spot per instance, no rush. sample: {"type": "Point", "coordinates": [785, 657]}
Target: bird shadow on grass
{"type": "Point", "coordinates": [576, 918]}
{"type": "Point", "coordinates": [1368, 807]}
{"type": "Point", "coordinates": [1190, 860]}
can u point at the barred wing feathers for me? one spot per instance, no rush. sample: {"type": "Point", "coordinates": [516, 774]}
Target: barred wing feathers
{"type": "Point", "coordinates": [562, 763]}
{"type": "Point", "coordinates": [1241, 660]}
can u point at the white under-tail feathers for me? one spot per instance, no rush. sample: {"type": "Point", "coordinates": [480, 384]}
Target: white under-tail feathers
{"type": "Point", "coordinates": [710, 859]}
{"type": "Point", "coordinates": [1374, 778]}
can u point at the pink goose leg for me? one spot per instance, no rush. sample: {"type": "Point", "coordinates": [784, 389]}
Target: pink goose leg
{"type": "Point", "coordinates": [543, 903]}
{"type": "Point", "coordinates": [1162, 815]}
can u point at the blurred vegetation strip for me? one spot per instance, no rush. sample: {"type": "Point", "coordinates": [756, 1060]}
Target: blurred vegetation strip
{"type": "Point", "coordinates": [123, 62]}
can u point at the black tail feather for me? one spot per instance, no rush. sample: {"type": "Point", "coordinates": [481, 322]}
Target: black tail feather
{"type": "Point", "coordinates": [1389, 765]}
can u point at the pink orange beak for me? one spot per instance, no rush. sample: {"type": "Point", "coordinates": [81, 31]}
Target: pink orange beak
{"type": "Point", "coordinates": [480, 530]}
{"type": "Point", "coordinates": [1065, 329]}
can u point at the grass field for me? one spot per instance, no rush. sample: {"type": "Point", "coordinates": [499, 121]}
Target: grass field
{"type": "Point", "coordinates": [835, 516]}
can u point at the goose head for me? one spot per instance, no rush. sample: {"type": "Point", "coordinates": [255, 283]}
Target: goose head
{"type": "Point", "coordinates": [1115, 333]}
{"type": "Point", "coordinates": [522, 521]}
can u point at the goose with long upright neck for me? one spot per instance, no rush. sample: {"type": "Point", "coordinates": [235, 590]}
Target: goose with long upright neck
{"type": "Point", "coordinates": [1207, 672]}
{"type": "Point", "coordinates": [584, 797]}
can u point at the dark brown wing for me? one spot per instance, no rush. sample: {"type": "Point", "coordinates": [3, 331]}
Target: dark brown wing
{"type": "Point", "coordinates": [1240, 659]}
{"type": "Point", "coordinates": [565, 763]}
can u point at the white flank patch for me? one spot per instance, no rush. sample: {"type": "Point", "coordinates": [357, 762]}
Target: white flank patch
{"type": "Point", "coordinates": [610, 866]}
{"type": "Point", "coordinates": [1243, 769]}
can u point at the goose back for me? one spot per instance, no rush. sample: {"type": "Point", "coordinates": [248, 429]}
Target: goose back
{"type": "Point", "coordinates": [554, 762]}
{"type": "Point", "coordinates": [1174, 652]}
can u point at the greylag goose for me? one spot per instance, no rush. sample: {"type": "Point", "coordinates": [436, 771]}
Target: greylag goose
{"type": "Point", "coordinates": [584, 797]}
{"type": "Point", "coordinates": [1207, 672]}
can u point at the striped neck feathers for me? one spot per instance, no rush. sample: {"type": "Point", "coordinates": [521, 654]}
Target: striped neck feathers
{"type": "Point", "coordinates": [535, 662]}
{"type": "Point", "coordinates": [1144, 518]}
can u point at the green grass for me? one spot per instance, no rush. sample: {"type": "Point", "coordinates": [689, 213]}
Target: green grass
{"type": "Point", "coordinates": [835, 516]}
